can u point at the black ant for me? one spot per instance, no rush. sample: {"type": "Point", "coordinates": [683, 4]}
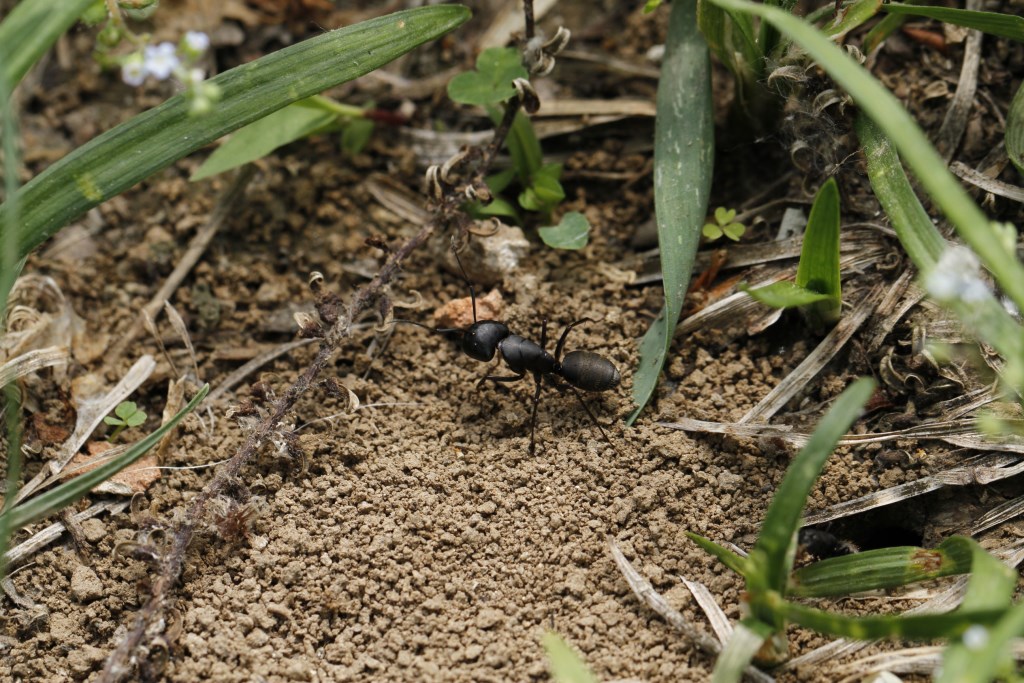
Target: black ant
{"type": "Point", "coordinates": [584, 370]}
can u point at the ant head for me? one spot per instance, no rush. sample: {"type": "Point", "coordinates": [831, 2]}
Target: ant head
{"type": "Point", "coordinates": [480, 340]}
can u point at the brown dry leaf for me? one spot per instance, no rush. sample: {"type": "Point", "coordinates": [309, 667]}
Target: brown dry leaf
{"type": "Point", "coordinates": [135, 478]}
{"type": "Point", "coordinates": [459, 312]}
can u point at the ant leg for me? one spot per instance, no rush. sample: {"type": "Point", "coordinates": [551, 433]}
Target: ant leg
{"type": "Point", "coordinates": [543, 332]}
{"type": "Point", "coordinates": [533, 417]}
{"type": "Point", "coordinates": [499, 378]}
{"type": "Point", "coordinates": [565, 334]}
{"type": "Point", "coordinates": [597, 424]}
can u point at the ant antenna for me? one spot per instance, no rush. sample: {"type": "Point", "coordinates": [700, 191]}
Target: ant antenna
{"type": "Point", "coordinates": [472, 292]}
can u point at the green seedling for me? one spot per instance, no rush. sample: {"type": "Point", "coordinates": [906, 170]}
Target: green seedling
{"type": "Point", "coordinates": [540, 187]}
{"type": "Point", "coordinates": [566, 666]}
{"type": "Point", "coordinates": [126, 414]}
{"type": "Point", "coordinates": [817, 291]}
{"type": "Point", "coordinates": [771, 584]}
{"type": "Point", "coordinates": [724, 225]}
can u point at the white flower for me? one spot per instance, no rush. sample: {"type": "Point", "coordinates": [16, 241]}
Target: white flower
{"type": "Point", "coordinates": [133, 70]}
{"type": "Point", "coordinates": [161, 60]}
{"type": "Point", "coordinates": [957, 275]}
{"type": "Point", "coordinates": [195, 42]}
{"type": "Point", "coordinates": [975, 637]}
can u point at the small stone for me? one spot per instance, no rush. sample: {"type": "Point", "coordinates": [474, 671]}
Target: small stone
{"type": "Point", "coordinates": [94, 530]}
{"type": "Point", "coordinates": [489, 618]}
{"type": "Point", "coordinates": [473, 653]}
{"type": "Point", "coordinates": [257, 637]}
{"type": "Point", "coordinates": [85, 584]}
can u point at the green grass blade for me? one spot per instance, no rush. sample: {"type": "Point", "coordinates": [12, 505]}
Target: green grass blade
{"type": "Point", "coordinates": [260, 138]}
{"type": "Point", "coordinates": [914, 627]}
{"type": "Point", "coordinates": [683, 161]}
{"type": "Point", "coordinates": [853, 16]}
{"type": "Point", "coordinates": [915, 230]}
{"type": "Point", "coordinates": [1015, 131]}
{"type": "Point", "coordinates": [818, 270]}
{"type": "Point", "coordinates": [29, 31]}
{"type": "Point", "coordinates": [883, 107]}
{"type": "Point", "coordinates": [784, 294]}
{"type": "Point", "coordinates": [724, 555]}
{"type": "Point", "coordinates": [9, 269]}
{"type": "Point", "coordinates": [881, 568]}
{"type": "Point", "coordinates": [772, 554]}
{"type": "Point", "coordinates": [745, 642]}
{"type": "Point", "coordinates": [993, 23]}
{"type": "Point", "coordinates": [566, 665]}
{"type": "Point", "coordinates": [70, 491]}
{"type": "Point", "coordinates": [119, 158]}
{"type": "Point", "coordinates": [923, 243]}
{"type": "Point", "coordinates": [882, 30]}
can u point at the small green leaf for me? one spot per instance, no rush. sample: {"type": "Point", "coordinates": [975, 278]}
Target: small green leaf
{"type": "Point", "coordinates": [572, 232]}
{"type": "Point", "coordinates": [785, 294]}
{"type": "Point", "coordinates": [734, 231]}
{"type": "Point", "coordinates": [496, 68]}
{"type": "Point", "coordinates": [725, 556]}
{"type": "Point", "coordinates": [262, 137]}
{"type": "Point", "coordinates": [819, 258]}
{"type": "Point", "coordinates": [135, 419]}
{"type": "Point", "coordinates": [497, 207]}
{"type": "Point", "coordinates": [544, 193]}
{"type": "Point", "coordinates": [499, 181]}
{"type": "Point", "coordinates": [711, 231]}
{"type": "Point", "coordinates": [724, 216]}
{"type": "Point", "coordinates": [355, 135]}
{"type": "Point", "coordinates": [125, 409]}
{"type": "Point", "coordinates": [566, 665]}
{"type": "Point", "coordinates": [113, 421]}
{"type": "Point", "coordinates": [994, 23]}
{"type": "Point", "coordinates": [651, 5]}
{"type": "Point", "coordinates": [1015, 130]}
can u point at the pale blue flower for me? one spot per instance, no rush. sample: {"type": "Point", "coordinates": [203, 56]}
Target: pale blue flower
{"type": "Point", "coordinates": [133, 70]}
{"type": "Point", "coordinates": [161, 60]}
{"type": "Point", "coordinates": [195, 42]}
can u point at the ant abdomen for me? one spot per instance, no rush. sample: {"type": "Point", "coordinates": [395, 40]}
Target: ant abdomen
{"type": "Point", "coordinates": [589, 371]}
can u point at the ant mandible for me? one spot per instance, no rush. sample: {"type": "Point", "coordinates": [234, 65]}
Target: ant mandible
{"type": "Point", "coordinates": [581, 370]}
